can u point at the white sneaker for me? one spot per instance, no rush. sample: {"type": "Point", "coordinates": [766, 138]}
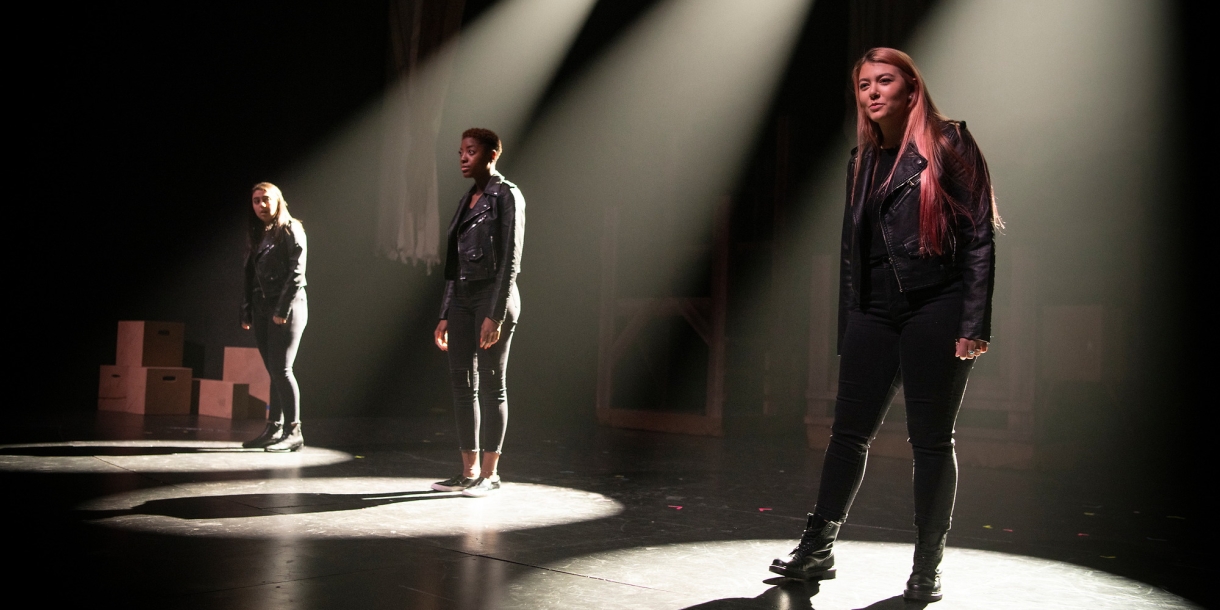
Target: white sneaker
{"type": "Point", "coordinates": [483, 487]}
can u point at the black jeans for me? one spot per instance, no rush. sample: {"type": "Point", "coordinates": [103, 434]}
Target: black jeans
{"type": "Point", "coordinates": [908, 340]}
{"type": "Point", "coordinates": [480, 389]}
{"type": "Point", "coordinates": [278, 344]}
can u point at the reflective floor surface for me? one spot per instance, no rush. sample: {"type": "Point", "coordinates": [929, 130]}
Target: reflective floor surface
{"type": "Point", "coordinates": [170, 512]}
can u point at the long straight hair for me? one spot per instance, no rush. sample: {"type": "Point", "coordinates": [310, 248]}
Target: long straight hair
{"type": "Point", "coordinates": [255, 228]}
{"type": "Point", "coordinates": [925, 131]}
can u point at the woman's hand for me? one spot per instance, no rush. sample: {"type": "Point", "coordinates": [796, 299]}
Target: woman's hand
{"type": "Point", "coordinates": [441, 335]}
{"type": "Point", "coordinates": [490, 334]}
{"type": "Point", "coordinates": [279, 320]}
{"type": "Point", "coordinates": [969, 349]}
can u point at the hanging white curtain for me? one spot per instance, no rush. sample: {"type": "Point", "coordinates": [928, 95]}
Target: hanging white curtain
{"type": "Point", "coordinates": [408, 222]}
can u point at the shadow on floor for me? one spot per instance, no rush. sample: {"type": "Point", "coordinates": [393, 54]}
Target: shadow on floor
{"type": "Point", "coordinates": [265, 505]}
{"type": "Point", "coordinates": [95, 450]}
{"type": "Point", "coordinates": [796, 595]}
{"type": "Point", "coordinates": [786, 593]}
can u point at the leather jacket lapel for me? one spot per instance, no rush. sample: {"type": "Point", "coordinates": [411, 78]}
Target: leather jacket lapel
{"type": "Point", "coordinates": [264, 246]}
{"type": "Point", "coordinates": [480, 208]}
{"type": "Point", "coordinates": [484, 204]}
{"type": "Point", "coordinates": [907, 170]}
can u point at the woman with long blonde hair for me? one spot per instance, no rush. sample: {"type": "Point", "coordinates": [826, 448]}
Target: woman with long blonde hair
{"type": "Point", "coordinates": [916, 279]}
{"type": "Point", "coordinates": [275, 307]}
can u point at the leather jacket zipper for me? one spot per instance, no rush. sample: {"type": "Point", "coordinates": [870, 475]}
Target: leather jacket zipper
{"type": "Point", "coordinates": [885, 234]}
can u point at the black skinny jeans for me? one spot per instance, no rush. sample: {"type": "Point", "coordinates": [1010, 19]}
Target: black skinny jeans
{"type": "Point", "coordinates": [480, 390]}
{"type": "Point", "coordinates": [908, 340]}
{"type": "Point", "coordinates": [278, 344]}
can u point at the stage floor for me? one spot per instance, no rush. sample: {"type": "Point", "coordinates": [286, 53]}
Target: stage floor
{"type": "Point", "coordinates": [170, 512]}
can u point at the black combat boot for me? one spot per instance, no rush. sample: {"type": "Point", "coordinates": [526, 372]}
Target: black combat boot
{"type": "Point", "coordinates": [270, 435]}
{"type": "Point", "coordinates": [813, 558]}
{"type": "Point", "coordinates": [292, 440]}
{"type": "Point", "coordinates": [924, 584]}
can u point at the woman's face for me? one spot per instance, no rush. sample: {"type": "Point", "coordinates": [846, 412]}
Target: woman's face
{"type": "Point", "coordinates": [474, 158]}
{"type": "Point", "coordinates": [264, 205]}
{"type": "Point", "coordinates": [883, 93]}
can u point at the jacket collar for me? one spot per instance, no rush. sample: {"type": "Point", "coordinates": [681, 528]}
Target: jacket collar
{"type": "Point", "coordinates": [908, 166]}
{"type": "Point", "coordinates": [494, 185]}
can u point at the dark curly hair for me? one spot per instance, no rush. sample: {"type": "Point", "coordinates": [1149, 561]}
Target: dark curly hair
{"type": "Point", "coordinates": [487, 137]}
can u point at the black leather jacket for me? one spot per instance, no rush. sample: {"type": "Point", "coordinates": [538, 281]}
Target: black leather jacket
{"type": "Point", "coordinates": [488, 244]}
{"type": "Point", "coordinates": [970, 253]}
{"type": "Point", "coordinates": [275, 271]}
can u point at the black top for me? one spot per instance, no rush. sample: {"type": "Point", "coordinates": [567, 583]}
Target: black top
{"type": "Point", "coordinates": [467, 213]}
{"type": "Point", "coordinates": [870, 234]}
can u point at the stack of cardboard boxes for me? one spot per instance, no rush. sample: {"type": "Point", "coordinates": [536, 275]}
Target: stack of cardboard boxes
{"type": "Point", "coordinates": [148, 377]}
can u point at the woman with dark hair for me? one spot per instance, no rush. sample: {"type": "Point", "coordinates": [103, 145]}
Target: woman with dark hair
{"type": "Point", "coordinates": [480, 310]}
{"type": "Point", "coordinates": [274, 305]}
{"type": "Point", "coordinates": [916, 279]}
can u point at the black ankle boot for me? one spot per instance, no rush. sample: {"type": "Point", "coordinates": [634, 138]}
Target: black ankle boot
{"type": "Point", "coordinates": [813, 558]}
{"type": "Point", "coordinates": [292, 440]}
{"type": "Point", "coordinates": [271, 434]}
{"type": "Point", "coordinates": [924, 584]}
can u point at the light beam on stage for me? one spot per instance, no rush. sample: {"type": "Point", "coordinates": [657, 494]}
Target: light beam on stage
{"type": "Point", "coordinates": [658, 126]}
{"type": "Point", "coordinates": [1070, 102]}
{"type": "Point", "coordinates": [662, 121]}
{"type": "Point", "coordinates": [491, 75]}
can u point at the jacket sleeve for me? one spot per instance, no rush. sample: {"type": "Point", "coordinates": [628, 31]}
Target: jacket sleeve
{"type": "Point", "coordinates": [447, 299]}
{"type": "Point", "coordinates": [247, 293]}
{"type": "Point", "coordinates": [296, 268]}
{"type": "Point", "coordinates": [847, 297]}
{"type": "Point", "coordinates": [975, 239]}
{"type": "Point", "coordinates": [508, 251]}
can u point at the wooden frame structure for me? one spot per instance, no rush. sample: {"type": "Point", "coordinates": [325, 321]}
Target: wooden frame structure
{"type": "Point", "coordinates": [706, 315]}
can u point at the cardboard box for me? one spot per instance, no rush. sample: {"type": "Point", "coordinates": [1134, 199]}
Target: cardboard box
{"type": "Point", "coordinates": [112, 381]}
{"type": "Point", "coordinates": [228, 400]}
{"type": "Point", "coordinates": [148, 390]}
{"type": "Point", "coordinates": [143, 343]}
{"type": "Point", "coordinates": [245, 365]}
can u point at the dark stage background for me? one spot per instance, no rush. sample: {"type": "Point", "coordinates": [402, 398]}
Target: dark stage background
{"type": "Point", "coordinates": [142, 129]}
